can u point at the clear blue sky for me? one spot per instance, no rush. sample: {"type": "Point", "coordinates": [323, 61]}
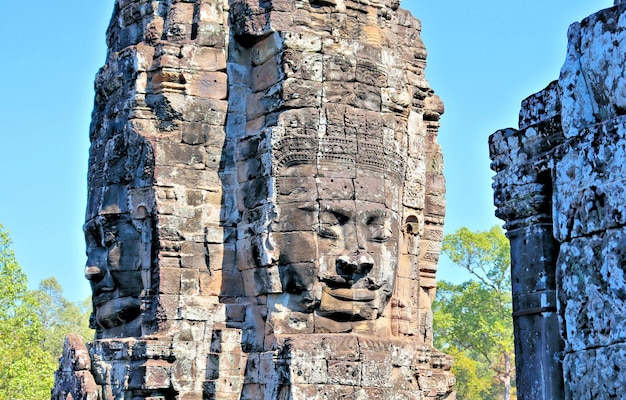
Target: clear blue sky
{"type": "Point", "coordinates": [484, 58]}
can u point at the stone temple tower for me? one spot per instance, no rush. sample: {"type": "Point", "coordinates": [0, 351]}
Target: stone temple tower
{"type": "Point", "coordinates": [559, 186]}
{"type": "Point", "coordinates": [266, 204]}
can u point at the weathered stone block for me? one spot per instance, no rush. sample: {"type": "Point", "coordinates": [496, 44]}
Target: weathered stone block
{"type": "Point", "coordinates": [594, 373]}
{"type": "Point", "coordinates": [344, 373]}
{"type": "Point", "coordinates": [302, 41]}
{"type": "Point", "coordinates": [339, 68]}
{"type": "Point", "coordinates": [169, 304]}
{"type": "Point", "coordinates": [201, 308]}
{"type": "Point", "coordinates": [189, 282]}
{"type": "Point", "coordinates": [152, 374]}
{"type": "Point", "coordinates": [267, 74]}
{"type": "Point", "coordinates": [169, 280]}
{"type": "Point", "coordinates": [209, 85]}
{"type": "Point", "coordinates": [591, 278]}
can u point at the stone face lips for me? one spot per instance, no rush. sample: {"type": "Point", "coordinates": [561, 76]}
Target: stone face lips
{"type": "Point", "coordinates": [266, 203]}
{"type": "Point", "coordinates": [559, 187]}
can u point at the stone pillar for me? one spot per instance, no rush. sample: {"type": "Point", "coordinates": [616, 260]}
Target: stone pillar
{"type": "Point", "coordinates": [523, 196]}
{"type": "Point", "coordinates": [538, 344]}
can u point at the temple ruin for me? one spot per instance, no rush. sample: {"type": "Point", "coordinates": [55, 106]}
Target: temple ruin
{"type": "Point", "coordinates": [265, 206]}
{"type": "Point", "coordinates": [559, 186]}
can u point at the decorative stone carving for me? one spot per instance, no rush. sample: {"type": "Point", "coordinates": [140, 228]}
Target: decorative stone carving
{"type": "Point", "coordinates": [558, 186]}
{"type": "Point", "coordinates": [266, 203]}
{"type": "Point", "coordinates": [119, 237]}
{"type": "Point", "coordinates": [74, 379]}
{"type": "Point", "coordinates": [119, 261]}
{"type": "Point", "coordinates": [337, 254]}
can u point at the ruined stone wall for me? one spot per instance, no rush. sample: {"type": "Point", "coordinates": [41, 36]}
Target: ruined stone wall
{"type": "Point", "coordinates": [266, 203]}
{"type": "Point", "coordinates": [559, 187]}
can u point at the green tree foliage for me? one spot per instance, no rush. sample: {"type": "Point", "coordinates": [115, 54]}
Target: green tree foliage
{"type": "Point", "coordinates": [475, 381]}
{"type": "Point", "coordinates": [473, 320]}
{"type": "Point", "coordinates": [486, 255]}
{"type": "Point", "coordinates": [33, 325]}
{"type": "Point", "coordinates": [26, 369]}
{"type": "Point", "coordinates": [60, 316]}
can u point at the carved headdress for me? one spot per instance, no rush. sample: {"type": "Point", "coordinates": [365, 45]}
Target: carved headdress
{"type": "Point", "coordinates": [347, 151]}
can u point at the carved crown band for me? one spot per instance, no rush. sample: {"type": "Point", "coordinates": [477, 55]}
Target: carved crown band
{"type": "Point", "coordinates": [343, 151]}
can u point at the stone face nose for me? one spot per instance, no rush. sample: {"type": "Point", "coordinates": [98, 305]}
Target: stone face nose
{"type": "Point", "coordinates": [359, 264]}
{"type": "Point", "coordinates": [94, 273]}
{"type": "Point", "coordinates": [96, 267]}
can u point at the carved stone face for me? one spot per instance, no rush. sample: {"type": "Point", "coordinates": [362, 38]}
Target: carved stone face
{"type": "Point", "coordinates": [114, 269]}
{"type": "Point", "coordinates": [337, 240]}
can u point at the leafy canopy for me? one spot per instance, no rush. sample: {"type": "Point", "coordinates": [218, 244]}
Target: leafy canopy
{"type": "Point", "coordinates": [485, 255]}
{"type": "Point", "coordinates": [33, 325]}
{"type": "Point", "coordinates": [25, 368]}
{"type": "Point", "coordinates": [60, 316]}
{"type": "Point", "coordinates": [472, 321]}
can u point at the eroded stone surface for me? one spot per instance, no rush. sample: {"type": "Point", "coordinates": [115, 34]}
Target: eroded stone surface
{"type": "Point", "coordinates": [559, 187]}
{"type": "Point", "coordinates": [266, 203]}
{"type": "Point", "coordinates": [74, 379]}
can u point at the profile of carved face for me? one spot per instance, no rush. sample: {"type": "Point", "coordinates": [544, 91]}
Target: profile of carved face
{"type": "Point", "coordinates": [114, 258]}
{"type": "Point", "coordinates": [337, 241]}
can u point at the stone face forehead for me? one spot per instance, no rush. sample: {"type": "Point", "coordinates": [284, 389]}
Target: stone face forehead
{"type": "Point", "coordinates": [310, 185]}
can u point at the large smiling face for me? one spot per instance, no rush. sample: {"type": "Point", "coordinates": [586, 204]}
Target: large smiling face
{"type": "Point", "coordinates": [113, 268]}
{"type": "Point", "coordinates": [337, 240]}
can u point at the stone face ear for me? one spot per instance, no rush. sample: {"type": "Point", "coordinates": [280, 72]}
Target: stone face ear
{"type": "Point", "coordinates": [412, 225]}
{"type": "Point", "coordinates": [140, 213]}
